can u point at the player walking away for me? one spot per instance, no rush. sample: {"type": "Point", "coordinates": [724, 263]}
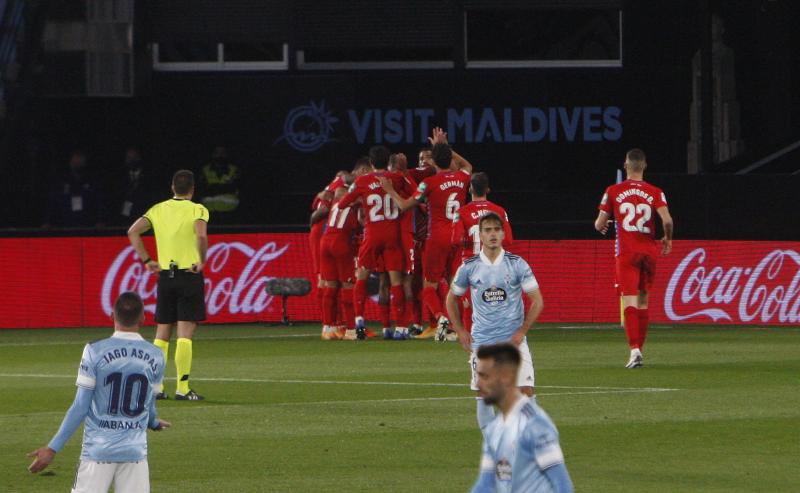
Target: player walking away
{"type": "Point", "coordinates": [444, 193]}
{"type": "Point", "coordinates": [382, 243]}
{"type": "Point", "coordinates": [496, 280]}
{"type": "Point", "coordinates": [632, 203]}
{"type": "Point", "coordinates": [521, 450]}
{"type": "Point", "coordinates": [466, 232]}
{"type": "Point", "coordinates": [180, 226]}
{"type": "Point", "coordinates": [116, 383]}
{"type": "Point", "coordinates": [338, 253]}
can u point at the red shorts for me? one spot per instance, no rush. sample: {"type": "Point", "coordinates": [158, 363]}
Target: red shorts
{"type": "Point", "coordinates": [635, 273]}
{"type": "Point", "coordinates": [385, 253]}
{"type": "Point", "coordinates": [440, 259]}
{"type": "Point", "coordinates": [337, 259]}
{"type": "Point", "coordinates": [410, 252]}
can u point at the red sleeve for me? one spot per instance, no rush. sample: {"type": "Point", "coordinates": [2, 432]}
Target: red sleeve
{"type": "Point", "coordinates": [605, 202]}
{"type": "Point", "coordinates": [660, 199]}
{"type": "Point", "coordinates": [350, 197]}
{"type": "Point", "coordinates": [336, 183]}
{"type": "Point", "coordinates": [422, 191]}
{"type": "Point", "coordinates": [457, 233]}
{"type": "Point", "coordinates": [509, 240]}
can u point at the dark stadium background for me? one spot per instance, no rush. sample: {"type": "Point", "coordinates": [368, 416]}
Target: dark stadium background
{"type": "Point", "coordinates": [550, 188]}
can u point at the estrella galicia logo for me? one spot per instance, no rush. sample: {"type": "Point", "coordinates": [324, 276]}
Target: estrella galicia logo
{"type": "Point", "coordinates": [494, 295]}
{"type": "Point", "coordinates": [503, 470]}
{"type": "Point", "coordinates": [309, 127]}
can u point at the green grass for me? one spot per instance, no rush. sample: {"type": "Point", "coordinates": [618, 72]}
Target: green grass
{"type": "Point", "coordinates": [731, 425]}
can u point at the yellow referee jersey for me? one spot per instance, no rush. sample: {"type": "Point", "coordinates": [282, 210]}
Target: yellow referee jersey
{"type": "Point", "coordinates": [173, 223]}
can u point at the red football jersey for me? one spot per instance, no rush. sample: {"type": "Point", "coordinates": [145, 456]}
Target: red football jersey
{"type": "Point", "coordinates": [336, 183]}
{"type": "Point", "coordinates": [342, 221]}
{"type": "Point", "coordinates": [381, 213]}
{"type": "Point", "coordinates": [419, 174]}
{"type": "Point", "coordinates": [633, 205]}
{"type": "Point", "coordinates": [465, 226]}
{"type": "Point", "coordinates": [444, 192]}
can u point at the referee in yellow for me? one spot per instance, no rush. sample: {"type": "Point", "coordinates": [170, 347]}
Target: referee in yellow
{"type": "Point", "coordinates": [180, 227]}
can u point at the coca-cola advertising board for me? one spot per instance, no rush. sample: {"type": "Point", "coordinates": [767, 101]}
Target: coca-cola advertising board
{"type": "Point", "coordinates": [72, 282]}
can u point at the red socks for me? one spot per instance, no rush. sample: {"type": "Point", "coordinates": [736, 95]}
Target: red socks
{"type": "Point", "coordinates": [329, 296]}
{"type": "Point", "coordinates": [430, 296]}
{"type": "Point", "coordinates": [644, 321]}
{"type": "Point", "coordinates": [347, 307]}
{"type": "Point", "coordinates": [632, 327]}
{"type": "Point", "coordinates": [397, 300]}
{"type": "Point", "coordinates": [359, 297]}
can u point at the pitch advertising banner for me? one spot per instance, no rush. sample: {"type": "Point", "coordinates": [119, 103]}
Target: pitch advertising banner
{"type": "Point", "coordinates": [72, 282]}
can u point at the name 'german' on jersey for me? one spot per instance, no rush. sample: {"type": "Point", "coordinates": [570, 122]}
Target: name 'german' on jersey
{"type": "Point", "coordinates": [445, 193]}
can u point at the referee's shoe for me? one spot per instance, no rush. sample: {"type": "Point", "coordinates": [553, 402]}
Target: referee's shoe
{"type": "Point", "coordinates": [189, 396]}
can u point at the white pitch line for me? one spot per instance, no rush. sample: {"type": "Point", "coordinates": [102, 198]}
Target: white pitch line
{"type": "Point", "coordinates": [412, 399]}
{"type": "Point", "coordinates": [358, 382]}
{"type": "Point", "coordinates": [83, 342]}
{"type": "Point", "coordinates": [370, 401]}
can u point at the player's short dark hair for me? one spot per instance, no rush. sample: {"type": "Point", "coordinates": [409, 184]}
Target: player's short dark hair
{"type": "Point", "coordinates": [128, 309]}
{"type": "Point", "coordinates": [183, 181]}
{"type": "Point", "coordinates": [442, 154]}
{"type": "Point", "coordinates": [502, 354]}
{"type": "Point", "coordinates": [636, 155]}
{"type": "Point", "coordinates": [379, 156]}
{"type": "Point", "coordinates": [489, 216]}
{"type": "Point", "coordinates": [479, 183]}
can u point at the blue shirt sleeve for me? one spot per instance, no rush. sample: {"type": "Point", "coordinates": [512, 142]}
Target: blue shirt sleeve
{"type": "Point", "coordinates": [559, 478]}
{"type": "Point", "coordinates": [460, 282]}
{"type": "Point", "coordinates": [526, 277]}
{"type": "Point", "coordinates": [75, 415]}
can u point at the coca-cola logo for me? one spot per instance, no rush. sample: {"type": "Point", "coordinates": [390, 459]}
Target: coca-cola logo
{"type": "Point", "coordinates": [226, 288]}
{"type": "Point", "coordinates": [768, 292]}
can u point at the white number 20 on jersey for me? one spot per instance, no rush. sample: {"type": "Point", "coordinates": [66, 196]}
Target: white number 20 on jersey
{"type": "Point", "coordinates": [631, 212]}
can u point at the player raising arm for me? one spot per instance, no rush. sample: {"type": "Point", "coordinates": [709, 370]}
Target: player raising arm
{"type": "Point", "coordinates": [631, 204]}
{"type": "Point", "coordinates": [445, 193]}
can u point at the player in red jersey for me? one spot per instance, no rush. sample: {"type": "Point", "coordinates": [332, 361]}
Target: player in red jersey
{"type": "Point", "coordinates": [381, 235]}
{"type": "Point", "coordinates": [338, 252]}
{"type": "Point", "coordinates": [320, 208]}
{"type": "Point", "coordinates": [411, 242]}
{"type": "Point", "coordinates": [466, 231]}
{"type": "Point", "coordinates": [444, 193]}
{"type": "Point", "coordinates": [631, 203]}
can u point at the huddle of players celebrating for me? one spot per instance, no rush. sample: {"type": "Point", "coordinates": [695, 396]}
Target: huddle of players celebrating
{"type": "Point", "coordinates": [416, 232]}
{"type": "Point", "coordinates": [415, 228]}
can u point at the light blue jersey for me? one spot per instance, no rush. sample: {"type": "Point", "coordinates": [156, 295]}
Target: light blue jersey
{"type": "Point", "coordinates": [496, 295]}
{"type": "Point", "coordinates": [121, 371]}
{"type": "Point", "coordinates": [519, 449]}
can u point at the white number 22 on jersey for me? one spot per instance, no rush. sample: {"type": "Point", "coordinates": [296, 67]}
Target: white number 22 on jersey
{"type": "Point", "coordinates": [631, 211]}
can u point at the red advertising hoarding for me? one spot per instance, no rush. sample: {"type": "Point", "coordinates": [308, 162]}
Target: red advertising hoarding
{"type": "Point", "coordinates": [72, 282]}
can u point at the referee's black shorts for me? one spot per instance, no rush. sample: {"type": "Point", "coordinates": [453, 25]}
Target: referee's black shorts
{"type": "Point", "coordinates": [180, 298]}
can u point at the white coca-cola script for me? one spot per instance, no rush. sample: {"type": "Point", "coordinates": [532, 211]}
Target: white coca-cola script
{"type": "Point", "coordinates": [768, 292]}
{"type": "Point", "coordinates": [225, 289]}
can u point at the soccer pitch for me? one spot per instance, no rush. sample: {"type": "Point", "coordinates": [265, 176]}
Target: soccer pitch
{"type": "Point", "coordinates": [713, 410]}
